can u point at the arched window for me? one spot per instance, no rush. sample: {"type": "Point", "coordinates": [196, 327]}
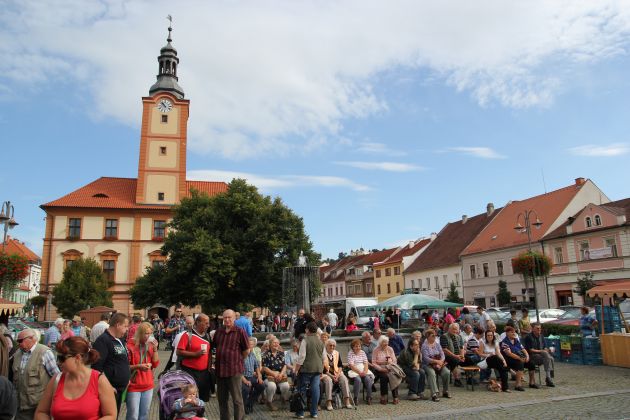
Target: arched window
{"type": "Point", "coordinates": [588, 221]}
{"type": "Point", "coordinates": [598, 220]}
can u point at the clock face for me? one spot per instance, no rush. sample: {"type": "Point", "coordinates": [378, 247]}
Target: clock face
{"type": "Point", "coordinates": [164, 105]}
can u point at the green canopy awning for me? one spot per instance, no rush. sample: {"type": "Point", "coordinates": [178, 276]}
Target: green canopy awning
{"type": "Point", "coordinates": [415, 301]}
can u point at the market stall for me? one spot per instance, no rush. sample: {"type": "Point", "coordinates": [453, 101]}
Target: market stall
{"type": "Point", "coordinates": [615, 339]}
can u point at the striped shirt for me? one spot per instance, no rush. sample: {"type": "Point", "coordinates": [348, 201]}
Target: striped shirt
{"type": "Point", "coordinates": [250, 365]}
{"type": "Point", "coordinates": [48, 360]}
{"type": "Point", "coordinates": [230, 346]}
{"type": "Point", "coordinates": [354, 359]}
{"type": "Point", "coordinates": [472, 345]}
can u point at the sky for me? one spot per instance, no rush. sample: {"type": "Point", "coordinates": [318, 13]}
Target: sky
{"type": "Point", "coordinates": [377, 122]}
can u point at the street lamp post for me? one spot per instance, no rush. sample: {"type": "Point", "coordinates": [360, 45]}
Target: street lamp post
{"type": "Point", "coordinates": [7, 219]}
{"type": "Point", "coordinates": [526, 216]}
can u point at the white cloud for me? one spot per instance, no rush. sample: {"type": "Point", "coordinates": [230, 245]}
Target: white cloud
{"type": "Point", "coordinates": [273, 183]}
{"type": "Point", "coordinates": [381, 166]}
{"type": "Point", "coordinates": [378, 149]}
{"type": "Point", "coordinates": [270, 78]}
{"type": "Point", "coordinates": [480, 152]}
{"type": "Point", "coordinates": [615, 149]}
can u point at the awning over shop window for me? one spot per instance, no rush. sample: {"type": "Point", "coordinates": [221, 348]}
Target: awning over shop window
{"type": "Point", "coordinates": [8, 307]}
{"type": "Point", "coordinates": [619, 288]}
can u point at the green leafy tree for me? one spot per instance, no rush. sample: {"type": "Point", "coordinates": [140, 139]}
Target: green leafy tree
{"type": "Point", "coordinates": [83, 285]}
{"type": "Point", "coordinates": [504, 296]}
{"type": "Point", "coordinates": [13, 268]}
{"type": "Point", "coordinates": [227, 250]}
{"type": "Point", "coordinates": [453, 294]}
{"type": "Point", "coordinates": [584, 283]}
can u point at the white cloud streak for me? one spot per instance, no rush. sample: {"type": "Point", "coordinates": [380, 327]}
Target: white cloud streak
{"type": "Point", "coordinates": [479, 152]}
{"type": "Point", "coordinates": [611, 150]}
{"type": "Point", "coordinates": [274, 183]}
{"type": "Point", "coordinates": [378, 149]}
{"type": "Point", "coordinates": [381, 166]}
{"type": "Point", "coordinates": [276, 78]}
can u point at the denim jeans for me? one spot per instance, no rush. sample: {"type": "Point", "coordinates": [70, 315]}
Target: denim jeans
{"type": "Point", "coordinates": [138, 404]}
{"type": "Point", "coordinates": [416, 380]}
{"type": "Point", "coordinates": [313, 379]}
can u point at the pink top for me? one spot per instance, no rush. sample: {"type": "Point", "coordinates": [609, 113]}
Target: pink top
{"type": "Point", "coordinates": [380, 356]}
{"type": "Point", "coordinates": [67, 334]}
{"type": "Point", "coordinates": [86, 407]}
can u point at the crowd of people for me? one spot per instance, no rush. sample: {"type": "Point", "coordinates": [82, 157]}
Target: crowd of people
{"type": "Point", "coordinates": [81, 373]}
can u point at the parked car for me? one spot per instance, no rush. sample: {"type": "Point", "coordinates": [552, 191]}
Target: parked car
{"type": "Point", "coordinates": [546, 315]}
{"type": "Point", "coordinates": [571, 317]}
{"type": "Point", "coordinates": [16, 325]}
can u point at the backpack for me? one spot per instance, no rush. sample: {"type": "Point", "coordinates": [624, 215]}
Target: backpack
{"type": "Point", "coordinates": [296, 402]}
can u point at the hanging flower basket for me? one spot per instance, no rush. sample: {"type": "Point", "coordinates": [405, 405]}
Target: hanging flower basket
{"type": "Point", "coordinates": [532, 263]}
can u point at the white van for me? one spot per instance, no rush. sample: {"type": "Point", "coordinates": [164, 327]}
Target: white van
{"type": "Point", "coordinates": [360, 308]}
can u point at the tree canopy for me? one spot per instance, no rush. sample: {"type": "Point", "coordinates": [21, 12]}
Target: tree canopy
{"type": "Point", "coordinates": [226, 250]}
{"type": "Point", "coordinates": [504, 296]}
{"type": "Point", "coordinates": [83, 285]}
{"type": "Point", "coordinates": [453, 294]}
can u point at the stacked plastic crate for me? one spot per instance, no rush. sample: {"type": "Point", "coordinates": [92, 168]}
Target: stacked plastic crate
{"type": "Point", "coordinates": [612, 320]}
{"type": "Point", "coordinates": [555, 344]}
{"type": "Point", "coordinates": [591, 351]}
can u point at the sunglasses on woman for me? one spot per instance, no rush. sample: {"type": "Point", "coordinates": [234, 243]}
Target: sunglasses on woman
{"type": "Point", "coordinates": [61, 358]}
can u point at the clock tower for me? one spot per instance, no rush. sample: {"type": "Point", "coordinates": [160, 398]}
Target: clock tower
{"type": "Point", "coordinates": [162, 163]}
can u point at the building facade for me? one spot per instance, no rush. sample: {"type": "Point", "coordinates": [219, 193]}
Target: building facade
{"type": "Point", "coordinates": [488, 258]}
{"type": "Point", "coordinates": [595, 240]}
{"type": "Point", "coordinates": [122, 222]}
{"type": "Point", "coordinates": [29, 285]}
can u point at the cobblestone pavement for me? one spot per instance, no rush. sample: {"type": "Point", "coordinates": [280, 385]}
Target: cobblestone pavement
{"type": "Point", "coordinates": [581, 392]}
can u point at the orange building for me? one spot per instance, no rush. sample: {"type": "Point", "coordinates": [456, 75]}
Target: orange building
{"type": "Point", "coordinates": [121, 222]}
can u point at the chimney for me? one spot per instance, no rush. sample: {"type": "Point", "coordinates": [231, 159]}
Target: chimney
{"type": "Point", "coordinates": [433, 236]}
{"type": "Point", "coordinates": [580, 181]}
{"type": "Point", "coordinates": [489, 209]}
{"type": "Point", "coordinates": [411, 244]}
{"type": "Point", "coordinates": [464, 219]}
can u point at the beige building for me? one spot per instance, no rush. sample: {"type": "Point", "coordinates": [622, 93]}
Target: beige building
{"type": "Point", "coordinates": [121, 222]}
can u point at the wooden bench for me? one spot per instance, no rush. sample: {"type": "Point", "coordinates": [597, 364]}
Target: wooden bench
{"type": "Point", "coordinates": [469, 373]}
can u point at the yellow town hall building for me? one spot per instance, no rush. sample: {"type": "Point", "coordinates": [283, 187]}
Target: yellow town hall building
{"type": "Point", "coordinates": [121, 222]}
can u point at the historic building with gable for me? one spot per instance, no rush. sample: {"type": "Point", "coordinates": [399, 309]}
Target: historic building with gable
{"type": "Point", "coordinates": [121, 222]}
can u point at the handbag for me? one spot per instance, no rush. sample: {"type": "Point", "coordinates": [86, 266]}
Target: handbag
{"type": "Point", "coordinates": [296, 402]}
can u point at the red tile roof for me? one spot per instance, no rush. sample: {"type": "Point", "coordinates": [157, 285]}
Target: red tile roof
{"type": "Point", "coordinates": [13, 246]}
{"type": "Point", "coordinates": [619, 207]}
{"type": "Point", "coordinates": [405, 252]}
{"type": "Point", "coordinates": [500, 233]}
{"type": "Point", "coordinates": [453, 238]}
{"type": "Point", "coordinates": [120, 193]}
{"type": "Point", "coordinates": [376, 257]}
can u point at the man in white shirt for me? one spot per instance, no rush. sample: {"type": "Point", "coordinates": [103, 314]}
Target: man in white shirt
{"type": "Point", "coordinates": [483, 318]}
{"type": "Point", "coordinates": [190, 321]}
{"type": "Point", "coordinates": [332, 318]}
{"type": "Point", "coordinates": [100, 327]}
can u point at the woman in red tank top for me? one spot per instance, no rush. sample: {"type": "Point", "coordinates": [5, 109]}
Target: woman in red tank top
{"type": "Point", "coordinates": [80, 393]}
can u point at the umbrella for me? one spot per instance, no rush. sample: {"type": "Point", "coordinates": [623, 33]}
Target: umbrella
{"type": "Point", "coordinates": [415, 301]}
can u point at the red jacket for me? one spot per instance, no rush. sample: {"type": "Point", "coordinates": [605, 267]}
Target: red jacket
{"type": "Point", "coordinates": [142, 380]}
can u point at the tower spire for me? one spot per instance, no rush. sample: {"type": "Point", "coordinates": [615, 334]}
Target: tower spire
{"type": "Point", "coordinates": [167, 68]}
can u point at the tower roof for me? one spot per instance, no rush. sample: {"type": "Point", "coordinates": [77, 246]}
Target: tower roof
{"type": "Point", "coordinates": [167, 69]}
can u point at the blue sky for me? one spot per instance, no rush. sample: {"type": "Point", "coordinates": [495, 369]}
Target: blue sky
{"type": "Point", "coordinates": [377, 122]}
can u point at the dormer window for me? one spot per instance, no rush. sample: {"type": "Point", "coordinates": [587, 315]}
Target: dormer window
{"type": "Point", "coordinates": [589, 222]}
{"type": "Point", "coordinates": [160, 196]}
{"type": "Point", "coordinates": [164, 118]}
{"type": "Point", "coordinates": [598, 220]}
{"type": "Point", "coordinates": [100, 195]}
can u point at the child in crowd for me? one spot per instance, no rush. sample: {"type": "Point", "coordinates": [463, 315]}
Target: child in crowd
{"type": "Point", "coordinates": [187, 406]}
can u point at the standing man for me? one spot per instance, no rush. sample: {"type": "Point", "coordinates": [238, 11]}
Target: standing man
{"type": "Point", "coordinates": [113, 360]}
{"type": "Point", "coordinates": [196, 356]}
{"type": "Point", "coordinates": [299, 327]}
{"type": "Point", "coordinates": [53, 334]}
{"type": "Point", "coordinates": [310, 365]}
{"type": "Point", "coordinates": [172, 359]}
{"type": "Point", "coordinates": [332, 318]}
{"type": "Point", "coordinates": [78, 328]}
{"type": "Point", "coordinates": [232, 347]}
{"type": "Point", "coordinates": [243, 322]}
{"type": "Point", "coordinates": [483, 318]}
{"type": "Point", "coordinates": [100, 327]}
{"type": "Point", "coordinates": [176, 325]}
{"type": "Point", "coordinates": [33, 366]}
{"type": "Point", "coordinates": [588, 323]}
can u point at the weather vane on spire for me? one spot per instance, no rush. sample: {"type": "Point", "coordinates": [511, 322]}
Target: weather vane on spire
{"type": "Point", "coordinates": [170, 28]}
